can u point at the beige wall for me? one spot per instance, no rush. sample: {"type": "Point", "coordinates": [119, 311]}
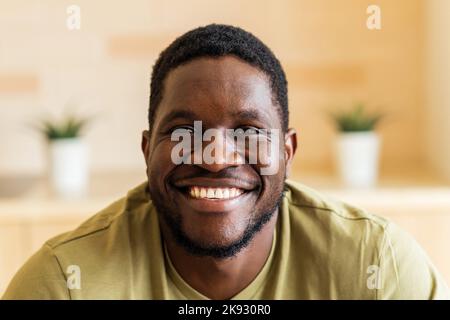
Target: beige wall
{"type": "Point", "coordinates": [331, 59]}
{"type": "Point", "coordinates": [437, 83]}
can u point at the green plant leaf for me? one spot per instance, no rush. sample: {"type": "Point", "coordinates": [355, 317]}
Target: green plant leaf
{"type": "Point", "coordinates": [356, 119]}
{"type": "Point", "coordinates": [70, 127]}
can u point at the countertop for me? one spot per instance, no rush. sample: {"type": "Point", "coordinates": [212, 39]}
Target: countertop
{"type": "Point", "coordinates": [399, 194]}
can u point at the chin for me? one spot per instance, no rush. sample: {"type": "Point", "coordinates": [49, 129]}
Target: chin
{"type": "Point", "coordinates": [217, 235]}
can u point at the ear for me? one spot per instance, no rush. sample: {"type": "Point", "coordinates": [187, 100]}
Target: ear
{"type": "Point", "coordinates": [145, 144]}
{"type": "Point", "coordinates": [290, 146]}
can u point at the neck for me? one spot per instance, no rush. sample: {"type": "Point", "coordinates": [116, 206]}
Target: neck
{"type": "Point", "coordinates": [222, 278]}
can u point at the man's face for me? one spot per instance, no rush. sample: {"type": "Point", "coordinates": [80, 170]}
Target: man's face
{"type": "Point", "coordinates": [223, 93]}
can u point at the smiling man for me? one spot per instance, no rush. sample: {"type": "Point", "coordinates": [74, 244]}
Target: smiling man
{"type": "Point", "coordinates": [226, 229]}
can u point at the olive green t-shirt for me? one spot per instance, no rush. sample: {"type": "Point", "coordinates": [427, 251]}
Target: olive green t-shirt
{"type": "Point", "coordinates": [322, 249]}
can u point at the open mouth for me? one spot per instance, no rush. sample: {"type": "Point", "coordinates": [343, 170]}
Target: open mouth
{"type": "Point", "coordinates": [216, 195]}
{"type": "Point", "coordinates": [215, 190]}
{"type": "Point", "coordinates": [213, 193]}
{"type": "Point", "coordinates": [215, 199]}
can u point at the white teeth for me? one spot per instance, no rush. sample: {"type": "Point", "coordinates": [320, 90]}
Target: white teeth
{"type": "Point", "coordinates": [214, 193]}
{"type": "Point", "coordinates": [197, 192]}
{"type": "Point", "coordinates": [234, 192]}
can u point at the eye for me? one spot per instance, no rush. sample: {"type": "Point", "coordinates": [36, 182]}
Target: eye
{"type": "Point", "coordinates": [183, 128]}
{"type": "Point", "coordinates": [250, 130]}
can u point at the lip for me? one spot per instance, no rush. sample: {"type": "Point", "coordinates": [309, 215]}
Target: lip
{"type": "Point", "coordinates": [204, 205]}
{"type": "Point", "coordinates": [215, 205]}
{"type": "Point", "coordinates": [215, 183]}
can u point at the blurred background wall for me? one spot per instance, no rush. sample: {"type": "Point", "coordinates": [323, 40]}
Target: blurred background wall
{"type": "Point", "coordinates": [332, 60]}
{"type": "Point", "coordinates": [436, 84]}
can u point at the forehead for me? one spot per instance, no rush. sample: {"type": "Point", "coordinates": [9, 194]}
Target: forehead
{"type": "Point", "coordinates": [216, 89]}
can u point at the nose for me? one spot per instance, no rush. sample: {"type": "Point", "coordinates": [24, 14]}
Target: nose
{"type": "Point", "coordinates": [220, 153]}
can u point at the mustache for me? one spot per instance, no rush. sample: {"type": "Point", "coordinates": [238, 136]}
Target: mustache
{"type": "Point", "coordinates": [235, 173]}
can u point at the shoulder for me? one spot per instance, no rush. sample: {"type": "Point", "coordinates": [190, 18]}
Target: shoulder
{"type": "Point", "coordinates": [40, 278]}
{"type": "Point", "coordinates": [100, 243]}
{"type": "Point", "coordinates": [357, 243]}
{"type": "Point", "coordinates": [303, 200]}
{"type": "Point", "coordinates": [103, 221]}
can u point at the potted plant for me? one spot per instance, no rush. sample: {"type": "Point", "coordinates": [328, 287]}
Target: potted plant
{"type": "Point", "coordinates": [357, 147]}
{"type": "Point", "coordinates": [68, 155]}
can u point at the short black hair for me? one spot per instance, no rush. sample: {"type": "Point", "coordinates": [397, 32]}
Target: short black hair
{"type": "Point", "coordinates": [218, 40]}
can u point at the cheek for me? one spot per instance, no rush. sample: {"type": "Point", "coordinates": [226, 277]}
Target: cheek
{"type": "Point", "coordinates": [272, 174]}
{"type": "Point", "coordinates": [272, 189]}
{"type": "Point", "coordinates": [159, 163]}
{"type": "Point", "coordinates": [271, 159]}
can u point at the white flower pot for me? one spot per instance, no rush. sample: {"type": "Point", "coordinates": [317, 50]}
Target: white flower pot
{"type": "Point", "coordinates": [68, 166]}
{"type": "Point", "coordinates": [357, 158]}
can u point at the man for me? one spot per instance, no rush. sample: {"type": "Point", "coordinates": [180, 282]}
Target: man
{"type": "Point", "coordinates": [222, 229]}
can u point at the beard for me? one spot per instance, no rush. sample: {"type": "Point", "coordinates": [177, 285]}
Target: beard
{"type": "Point", "coordinates": [258, 219]}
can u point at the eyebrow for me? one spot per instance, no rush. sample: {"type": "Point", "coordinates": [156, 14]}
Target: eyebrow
{"type": "Point", "coordinates": [179, 114]}
{"type": "Point", "coordinates": [245, 115]}
{"type": "Point", "coordinates": [252, 114]}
